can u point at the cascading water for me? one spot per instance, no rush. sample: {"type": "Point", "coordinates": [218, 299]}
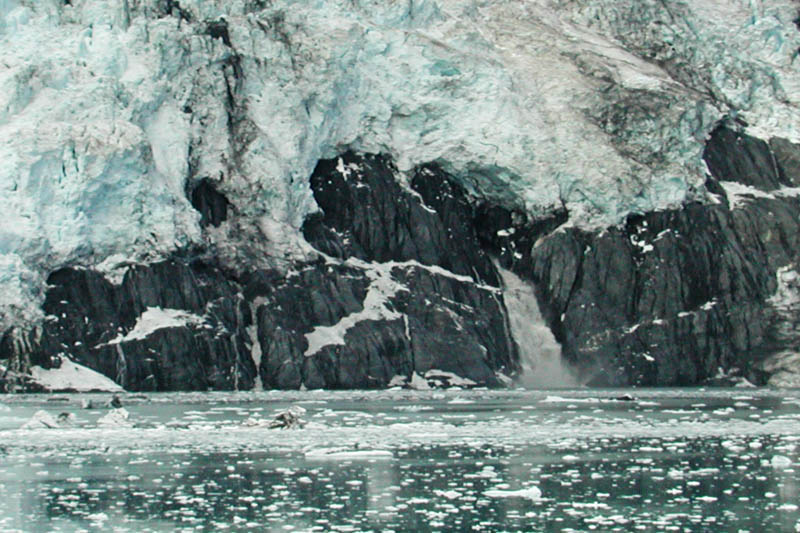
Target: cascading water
{"type": "Point", "coordinates": [540, 353]}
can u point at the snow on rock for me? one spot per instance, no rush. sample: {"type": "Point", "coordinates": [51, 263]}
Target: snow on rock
{"type": "Point", "coordinates": [376, 307]}
{"type": "Point", "coordinates": [107, 109]}
{"type": "Point", "coordinates": [448, 379]}
{"type": "Point", "coordinates": [72, 376]}
{"type": "Point", "coordinates": [739, 194]}
{"type": "Point", "coordinates": [155, 318]}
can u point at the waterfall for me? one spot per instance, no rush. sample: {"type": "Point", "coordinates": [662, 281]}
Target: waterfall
{"type": "Point", "coordinates": [255, 342]}
{"type": "Point", "coordinates": [540, 353]}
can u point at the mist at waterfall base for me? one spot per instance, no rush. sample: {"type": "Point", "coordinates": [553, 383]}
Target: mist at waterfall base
{"type": "Point", "coordinates": [540, 353]}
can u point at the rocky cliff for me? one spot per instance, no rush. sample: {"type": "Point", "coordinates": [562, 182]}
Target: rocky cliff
{"type": "Point", "coordinates": [229, 195]}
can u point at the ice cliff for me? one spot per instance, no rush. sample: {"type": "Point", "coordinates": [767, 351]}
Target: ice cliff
{"type": "Point", "coordinates": [175, 155]}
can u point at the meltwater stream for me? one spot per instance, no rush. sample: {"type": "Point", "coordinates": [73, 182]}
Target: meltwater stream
{"type": "Point", "coordinates": [455, 460]}
{"type": "Point", "coordinates": [540, 353]}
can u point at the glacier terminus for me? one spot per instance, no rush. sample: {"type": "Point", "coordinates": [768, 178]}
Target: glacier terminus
{"type": "Point", "coordinates": [345, 194]}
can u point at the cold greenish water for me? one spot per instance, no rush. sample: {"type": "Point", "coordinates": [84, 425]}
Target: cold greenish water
{"type": "Point", "coordinates": [673, 460]}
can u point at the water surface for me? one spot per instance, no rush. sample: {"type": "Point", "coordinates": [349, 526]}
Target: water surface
{"type": "Point", "coordinates": [672, 460]}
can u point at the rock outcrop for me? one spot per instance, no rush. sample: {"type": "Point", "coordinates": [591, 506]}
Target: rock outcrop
{"type": "Point", "coordinates": [677, 297]}
{"type": "Point", "coordinates": [401, 285]}
{"type": "Point", "coordinates": [235, 194]}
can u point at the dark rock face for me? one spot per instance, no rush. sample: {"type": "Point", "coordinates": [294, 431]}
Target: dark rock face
{"type": "Point", "coordinates": [91, 320]}
{"type": "Point", "coordinates": [366, 214]}
{"type": "Point", "coordinates": [405, 285]}
{"type": "Point", "coordinates": [406, 288]}
{"type": "Point", "coordinates": [676, 297]}
{"type": "Point", "coordinates": [733, 156]}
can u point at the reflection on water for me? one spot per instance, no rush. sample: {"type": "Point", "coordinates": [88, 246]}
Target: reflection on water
{"type": "Point", "coordinates": [673, 460]}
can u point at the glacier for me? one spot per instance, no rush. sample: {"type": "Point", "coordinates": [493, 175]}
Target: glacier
{"type": "Point", "coordinates": [112, 113]}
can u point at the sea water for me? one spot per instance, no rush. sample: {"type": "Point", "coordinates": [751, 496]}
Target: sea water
{"type": "Point", "coordinates": [455, 460]}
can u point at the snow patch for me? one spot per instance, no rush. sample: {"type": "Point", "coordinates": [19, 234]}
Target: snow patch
{"type": "Point", "coordinates": [155, 318]}
{"type": "Point", "coordinates": [381, 289]}
{"type": "Point", "coordinates": [72, 376]}
{"type": "Point", "coordinates": [739, 194]}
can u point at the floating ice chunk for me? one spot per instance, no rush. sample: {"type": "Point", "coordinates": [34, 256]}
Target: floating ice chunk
{"type": "Point", "coordinates": [458, 401]}
{"type": "Point", "coordinates": [289, 419]}
{"type": "Point", "coordinates": [418, 382]}
{"type": "Point", "coordinates": [398, 381]}
{"type": "Point", "coordinates": [41, 420]}
{"type": "Point", "coordinates": [561, 399]}
{"type": "Point", "coordinates": [531, 493]}
{"type": "Point", "coordinates": [781, 462]}
{"type": "Point", "coordinates": [345, 454]}
{"type": "Point", "coordinates": [72, 376]}
{"type": "Point", "coordinates": [115, 418]}
{"type": "Point", "coordinates": [449, 494]}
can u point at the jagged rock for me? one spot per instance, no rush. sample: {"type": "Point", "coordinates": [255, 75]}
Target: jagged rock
{"type": "Point", "coordinates": [210, 203]}
{"type": "Point", "coordinates": [406, 287]}
{"type": "Point", "coordinates": [673, 296]}
{"type": "Point", "coordinates": [172, 325]}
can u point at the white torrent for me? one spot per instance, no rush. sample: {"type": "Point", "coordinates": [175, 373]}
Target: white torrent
{"type": "Point", "coordinates": [540, 353]}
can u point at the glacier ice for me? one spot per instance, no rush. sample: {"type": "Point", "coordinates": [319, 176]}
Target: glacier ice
{"type": "Point", "coordinates": [108, 110]}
